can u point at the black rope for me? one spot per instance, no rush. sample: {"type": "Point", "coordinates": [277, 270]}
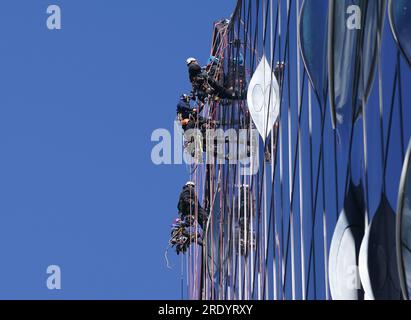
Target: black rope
{"type": "Point", "coordinates": [387, 146]}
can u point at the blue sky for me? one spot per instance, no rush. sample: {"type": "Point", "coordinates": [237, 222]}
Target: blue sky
{"type": "Point", "coordinates": [77, 109]}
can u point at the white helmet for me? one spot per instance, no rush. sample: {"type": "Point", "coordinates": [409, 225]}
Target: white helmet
{"type": "Point", "coordinates": [190, 183]}
{"type": "Point", "coordinates": [190, 60]}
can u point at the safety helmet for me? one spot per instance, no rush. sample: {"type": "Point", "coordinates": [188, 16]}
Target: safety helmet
{"type": "Point", "coordinates": [184, 97]}
{"type": "Point", "coordinates": [190, 60]}
{"type": "Point", "coordinates": [190, 183]}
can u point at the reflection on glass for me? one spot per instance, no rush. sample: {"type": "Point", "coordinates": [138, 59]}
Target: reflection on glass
{"type": "Point", "coordinates": [400, 16]}
{"type": "Point", "coordinates": [406, 231]}
{"type": "Point", "coordinates": [354, 56]}
{"type": "Point", "coordinates": [313, 44]}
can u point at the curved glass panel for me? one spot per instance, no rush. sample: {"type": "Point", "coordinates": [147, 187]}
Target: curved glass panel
{"type": "Point", "coordinates": [400, 18]}
{"type": "Point", "coordinates": [313, 44]}
{"type": "Point", "coordinates": [404, 228]}
{"type": "Point", "coordinates": [352, 56]}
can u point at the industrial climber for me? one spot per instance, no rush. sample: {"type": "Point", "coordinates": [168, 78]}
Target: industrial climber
{"type": "Point", "coordinates": [184, 231]}
{"type": "Point", "coordinates": [204, 85]}
{"type": "Point", "coordinates": [190, 120]}
{"type": "Point", "coordinates": [188, 116]}
{"type": "Point", "coordinates": [189, 207]}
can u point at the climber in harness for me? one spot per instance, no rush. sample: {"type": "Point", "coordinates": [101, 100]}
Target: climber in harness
{"type": "Point", "coordinates": [205, 85]}
{"type": "Point", "coordinates": [189, 207]}
{"type": "Point", "coordinates": [188, 116]}
{"type": "Point", "coordinates": [194, 127]}
{"type": "Point", "coordinates": [184, 230]}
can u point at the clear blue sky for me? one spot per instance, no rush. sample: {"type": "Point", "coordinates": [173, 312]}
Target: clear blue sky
{"type": "Point", "coordinates": [77, 109]}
